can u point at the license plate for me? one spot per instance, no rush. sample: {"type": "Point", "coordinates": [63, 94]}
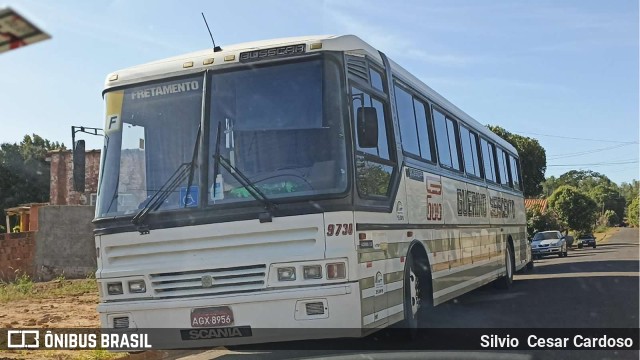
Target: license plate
{"type": "Point", "coordinates": [211, 317]}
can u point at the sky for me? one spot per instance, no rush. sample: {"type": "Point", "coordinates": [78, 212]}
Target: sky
{"type": "Point", "coordinates": [564, 72]}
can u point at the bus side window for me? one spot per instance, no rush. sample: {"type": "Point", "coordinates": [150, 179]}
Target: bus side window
{"type": "Point", "coordinates": [488, 159]}
{"type": "Point", "coordinates": [446, 135]}
{"type": "Point", "coordinates": [515, 173]}
{"type": "Point", "coordinates": [503, 168]}
{"type": "Point", "coordinates": [469, 141]}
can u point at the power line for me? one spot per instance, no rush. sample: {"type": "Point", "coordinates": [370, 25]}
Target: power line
{"type": "Point", "coordinates": [576, 138]}
{"type": "Point", "coordinates": [600, 164]}
{"type": "Point", "coordinates": [561, 156]}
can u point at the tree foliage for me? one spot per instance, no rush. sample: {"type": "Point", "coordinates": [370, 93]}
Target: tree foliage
{"type": "Point", "coordinates": [609, 218]}
{"type": "Point", "coordinates": [533, 160]}
{"type": "Point", "coordinates": [538, 220]}
{"type": "Point", "coordinates": [630, 190]}
{"type": "Point", "coordinates": [575, 209]}
{"type": "Point", "coordinates": [633, 212]}
{"type": "Point", "coordinates": [606, 194]}
{"type": "Point", "coordinates": [24, 171]}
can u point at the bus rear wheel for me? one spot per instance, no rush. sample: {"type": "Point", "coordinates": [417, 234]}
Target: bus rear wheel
{"type": "Point", "coordinates": [506, 281]}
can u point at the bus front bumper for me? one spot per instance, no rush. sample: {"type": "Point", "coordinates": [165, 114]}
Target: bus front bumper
{"type": "Point", "coordinates": [267, 316]}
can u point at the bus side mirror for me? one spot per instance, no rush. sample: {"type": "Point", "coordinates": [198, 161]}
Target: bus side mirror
{"type": "Point", "coordinates": [79, 166]}
{"type": "Point", "coordinates": [367, 125]}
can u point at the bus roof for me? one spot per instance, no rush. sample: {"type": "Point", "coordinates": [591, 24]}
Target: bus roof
{"type": "Point", "coordinates": [200, 60]}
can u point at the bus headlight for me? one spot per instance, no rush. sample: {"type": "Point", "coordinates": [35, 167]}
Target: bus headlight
{"type": "Point", "coordinates": [137, 286]}
{"type": "Point", "coordinates": [287, 273]}
{"type": "Point", "coordinates": [114, 288]}
{"type": "Point", "coordinates": [312, 271]}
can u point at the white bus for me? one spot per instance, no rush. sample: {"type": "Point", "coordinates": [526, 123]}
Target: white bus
{"type": "Point", "coordinates": [299, 183]}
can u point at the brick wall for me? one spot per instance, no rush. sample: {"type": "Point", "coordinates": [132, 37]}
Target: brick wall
{"type": "Point", "coordinates": [61, 189]}
{"type": "Point", "coordinates": [65, 243]}
{"type": "Point", "coordinates": [17, 255]}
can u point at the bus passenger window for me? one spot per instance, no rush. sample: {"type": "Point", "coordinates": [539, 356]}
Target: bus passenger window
{"type": "Point", "coordinates": [469, 142]}
{"type": "Point", "coordinates": [488, 159]}
{"type": "Point", "coordinates": [515, 175]}
{"type": "Point", "coordinates": [502, 165]}
{"type": "Point", "coordinates": [446, 134]}
{"type": "Point", "coordinates": [406, 117]}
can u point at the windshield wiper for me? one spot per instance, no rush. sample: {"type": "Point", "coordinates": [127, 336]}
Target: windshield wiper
{"type": "Point", "coordinates": [252, 189]}
{"type": "Point", "coordinates": [161, 195]}
{"type": "Point", "coordinates": [184, 172]}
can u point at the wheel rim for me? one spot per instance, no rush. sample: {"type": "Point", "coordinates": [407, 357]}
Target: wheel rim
{"type": "Point", "coordinates": [414, 286]}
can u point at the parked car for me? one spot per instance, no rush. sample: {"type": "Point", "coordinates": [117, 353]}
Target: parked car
{"type": "Point", "coordinates": [587, 240]}
{"type": "Point", "coordinates": [548, 243]}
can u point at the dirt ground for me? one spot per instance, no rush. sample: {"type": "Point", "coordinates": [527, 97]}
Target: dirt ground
{"type": "Point", "coordinates": [45, 308]}
{"type": "Point", "coordinates": [64, 312]}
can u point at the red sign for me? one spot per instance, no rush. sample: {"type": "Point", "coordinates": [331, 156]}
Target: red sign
{"type": "Point", "coordinates": [16, 31]}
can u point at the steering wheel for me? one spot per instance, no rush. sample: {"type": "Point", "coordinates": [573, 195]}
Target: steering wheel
{"type": "Point", "coordinates": [296, 176]}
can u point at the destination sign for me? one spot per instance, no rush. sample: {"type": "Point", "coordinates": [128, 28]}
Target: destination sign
{"type": "Point", "coordinates": [276, 52]}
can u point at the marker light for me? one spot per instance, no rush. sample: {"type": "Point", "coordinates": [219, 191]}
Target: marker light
{"type": "Point", "coordinates": [229, 58]}
{"type": "Point", "coordinates": [336, 271]}
{"type": "Point", "coordinates": [187, 64]}
{"type": "Point", "coordinates": [208, 61]}
{"type": "Point", "coordinates": [315, 46]}
{"type": "Point", "coordinates": [286, 274]}
{"type": "Point", "coordinates": [312, 271]}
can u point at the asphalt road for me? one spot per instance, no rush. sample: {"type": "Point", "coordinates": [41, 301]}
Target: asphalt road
{"type": "Point", "coordinates": [591, 288]}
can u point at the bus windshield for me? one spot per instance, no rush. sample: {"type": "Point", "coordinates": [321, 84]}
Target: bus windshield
{"type": "Point", "coordinates": [281, 126]}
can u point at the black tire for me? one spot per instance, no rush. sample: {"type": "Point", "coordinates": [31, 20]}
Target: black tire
{"type": "Point", "coordinates": [594, 246]}
{"type": "Point", "coordinates": [560, 254]}
{"type": "Point", "coordinates": [565, 254]}
{"type": "Point", "coordinates": [417, 292]}
{"type": "Point", "coordinates": [506, 281]}
{"type": "Point", "coordinates": [530, 265]}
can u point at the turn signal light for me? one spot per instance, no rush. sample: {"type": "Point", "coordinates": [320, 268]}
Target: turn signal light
{"type": "Point", "coordinates": [336, 271]}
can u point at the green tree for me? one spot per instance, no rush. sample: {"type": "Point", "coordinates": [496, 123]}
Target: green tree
{"type": "Point", "coordinates": [533, 160]}
{"type": "Point", "coordinates": [600, 188]}
{"type": "Point", "coordinates": [633, 212]}
{"type": "Point", "coordinates": [630, 190]}
{"type": "Point", "coordinates": [24, 171]}
{"type": "Point", "coordinates": [575, 209]}
{"type": "Point", "coordinates": [549, 185]}
{"type": "Point", "coordinates": [609, 218]}
{"type": "Point", "coordinates": [538, 220]}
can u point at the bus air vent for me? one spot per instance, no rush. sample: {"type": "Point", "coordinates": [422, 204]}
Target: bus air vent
{"type": "Point", "coordinates": [315, 308]}
{"type": "Point", "coordinates": [358, 67]}
{"type": "Point", "coordinates": [121, 322]}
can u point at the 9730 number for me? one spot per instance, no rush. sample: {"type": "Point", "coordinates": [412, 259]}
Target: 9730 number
{"type": "Point", "coordinates": [339, 229]}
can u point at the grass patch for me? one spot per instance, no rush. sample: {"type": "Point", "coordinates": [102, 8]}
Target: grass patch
{"type": "Point", "coordinates": [68, 354]}
{"type": "Point", "coordinates": [601, 229]}
{"type": "Point", "coordinates": [24, 288]}
{"type": "Point", "coordinates": [98, 355]}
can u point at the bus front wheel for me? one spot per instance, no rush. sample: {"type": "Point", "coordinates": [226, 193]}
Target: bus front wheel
{"type": "Point", "coordinates": [417, 293]}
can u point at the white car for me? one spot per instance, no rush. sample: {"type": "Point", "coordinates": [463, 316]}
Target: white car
{"type": "Point", "coordinates": [548, 243]}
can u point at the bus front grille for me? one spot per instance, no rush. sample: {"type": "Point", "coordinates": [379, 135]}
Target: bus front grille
{"type": "Point", "coordinates": [209, 281]}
